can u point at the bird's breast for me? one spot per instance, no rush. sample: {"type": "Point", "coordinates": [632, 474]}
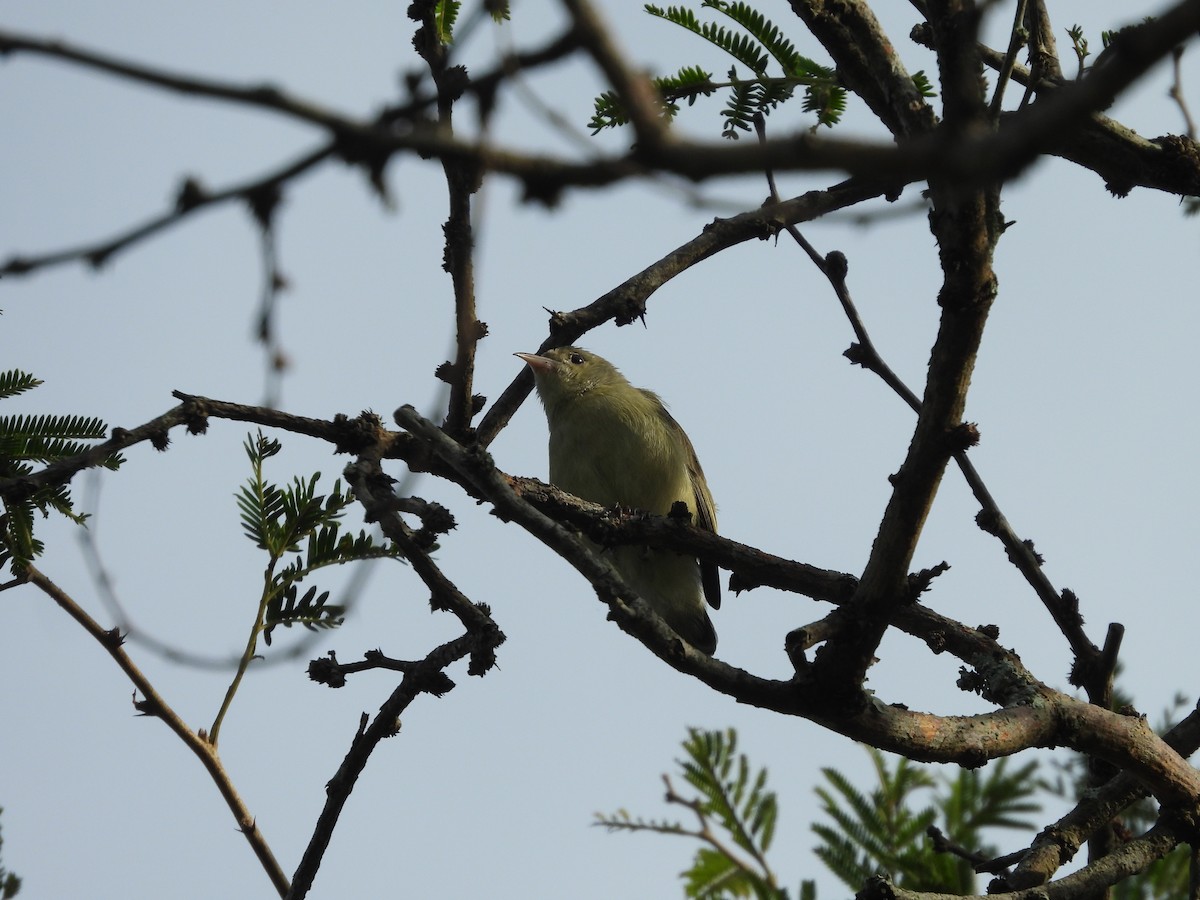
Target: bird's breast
{"type": "Point", "coordinates": [618, 454]}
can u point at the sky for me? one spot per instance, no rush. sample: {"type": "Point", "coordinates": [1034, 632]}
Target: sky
{"type": "Point", "coordinates": [1082, 395]}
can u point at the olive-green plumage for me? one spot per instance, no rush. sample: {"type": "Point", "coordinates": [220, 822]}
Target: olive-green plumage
{"type": "Point", "coordinates": [612, 443]}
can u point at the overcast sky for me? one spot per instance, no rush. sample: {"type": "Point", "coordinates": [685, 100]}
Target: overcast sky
{"type": "Point", "coordinates": [1084, 395]}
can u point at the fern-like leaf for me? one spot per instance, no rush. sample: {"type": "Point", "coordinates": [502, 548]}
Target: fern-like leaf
{"type": "Point", "coordinates": [885, 830]}
{"type": "Point", "coordinates": [39, 439]}
{"type": "Point", "coordinates": [313, 611]}
{"type": "Point", "coordinates": [445, 14]}
{"type": "Point", "coordinates": [767, 34]}
{"type": "Point", "coordinates": [14, 382]}
{"type": "Point", "coordinates": [924, 85]}
{"type": "Point", "coordinates": [741, 106]}
{"type": "Point", "coordinates": [742, 47]}
{"type": "Point", "coordinates": [498, 10]}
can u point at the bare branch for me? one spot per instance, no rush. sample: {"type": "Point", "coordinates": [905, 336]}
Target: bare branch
{"type": "Point", "coordinates": [154, 705]}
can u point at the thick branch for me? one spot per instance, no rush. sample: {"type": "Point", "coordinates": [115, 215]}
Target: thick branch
{"type": "Point", "coordinates": [964, 159]}
{"type": "Point", "coordinates": [1055, 846]}
{"type": "Point", "coordinates": [1035, 715]}
{"type": "Point", "coordinates": [966, 224]}
{"type": "Point", "coordinates": [867, 62]}
{"type": "Point", "coordinates": [1130, 859]}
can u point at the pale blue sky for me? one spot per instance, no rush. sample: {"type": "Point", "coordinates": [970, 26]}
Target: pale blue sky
{"type": "Point", "coordinates": [1083, 395]}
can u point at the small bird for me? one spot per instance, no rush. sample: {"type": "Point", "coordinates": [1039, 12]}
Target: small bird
{"type": "Point", "coordinates": [614, 444]}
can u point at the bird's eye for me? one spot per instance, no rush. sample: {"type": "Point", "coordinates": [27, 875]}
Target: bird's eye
{"type": "Point", "coordinates": [576, 359]}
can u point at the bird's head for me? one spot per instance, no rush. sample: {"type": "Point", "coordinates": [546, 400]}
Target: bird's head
{"type": "Point", "coordinates": [567, 374]}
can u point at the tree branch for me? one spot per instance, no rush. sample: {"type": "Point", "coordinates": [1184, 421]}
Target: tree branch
{"type": "Point", "coordinates": [867, 62]}
{"type": "Point", "coordinates": [1035, 715]}
{"type": "Point", "coordinates": [154, 705]}
{"type": "Point", "coordinates": [627, 302]}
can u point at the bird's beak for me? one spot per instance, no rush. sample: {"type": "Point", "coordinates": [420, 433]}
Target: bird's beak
{"type": "Point", "coordinates": [539, 364]}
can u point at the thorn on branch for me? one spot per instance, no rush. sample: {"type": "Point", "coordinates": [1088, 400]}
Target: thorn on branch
{"type": "Point", "coordinates": [98, 257]}
{"type": "Point", "coordinates": [558, 321]}
{"type": "Point", "coordinates": [546, 192]}
{"type": "Point", "coordinates": [453, 83]}
{"type": "Point", "coordinates": [195, 412]}
{"type": "Point", "coordinates": [919, 582]}
{"type": "Point", "coordinates": [970, 681]}
{"type": "Point", "coordinates": [148, 707]}
{"type": "Point", "coordinates": [263, 200]}
{"type": "Point", "coordinates": [936, 641]}
{"type": "Point", "coordinates": [483, 660]}
{"type": "Point", "coordinates": [435, 519]}
{"type": "Point", "coordinates": [988, 520]}
{"type": "Point", "coordinates": [437, 683]}
{"type": "Point", "coordinates": [1070, 602]}
{"type": "Point", "coordinates": [357, 434]}
{"type": "Point", "coordinates": [794, 643]}
{"type": "Point", "coordinates": [629, 309]}
{"type": "Point", "coordinates": [16, 265]}
{"type": "Point", "coordinates": [191, 194]}
{"type": "Point", "coordinates": [1027, 544]}
{"type": "Point", "coordinates": [327, 671]}
{"type": "Point", "coordinates": [963, 436]}
{"type": "Point", "coordinates": [837, 266]}
{"type": "Point", "coordinates": [858, 355]}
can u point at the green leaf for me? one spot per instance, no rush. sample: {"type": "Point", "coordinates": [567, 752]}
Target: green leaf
{"type": "Point", "coordinates": [40, 439]}
{"type": "Point", "coordinates": [885, 830]}
{"type": "Point", "coordinates": [313, 611]}
{"type": "Point", "coordinates": [14, 382]}
{"type": "Point", "coordinates": [769, 36]}
{"type": "Point", "coordinates": [924, 85]}
{"type": "Point", "coordinates": [744, 48]}
{"type": "Point", "coordinates": [498, 10]}
{"type": "Point", "coordinates": [445, 14]}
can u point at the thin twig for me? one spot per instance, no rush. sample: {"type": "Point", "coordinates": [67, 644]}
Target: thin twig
{"type": "Point", "coordinates": [706, 834]}
{"type": "Point", "coordinates": [154, 705]}
{"type": "Point", "coordinates": [428, 675]}
{"type": "Point", "coordinates": [1176, 91]}
{"type": "Point", "coordinates": [1015, 40]}
{"type": "Point", "coordinates": [463, 179]}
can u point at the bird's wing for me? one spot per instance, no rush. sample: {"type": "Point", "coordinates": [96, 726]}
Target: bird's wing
{"type": "Point", "coordinates": [706, 509]}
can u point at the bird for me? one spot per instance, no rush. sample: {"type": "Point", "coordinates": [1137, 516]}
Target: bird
{"type": "Point", "coordinates": [617, 445]}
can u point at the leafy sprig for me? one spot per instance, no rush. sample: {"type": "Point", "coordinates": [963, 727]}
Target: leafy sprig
{"type": "Point", "coordinates": [736, 816]}
{"type": "Point", "coordinates": [297, 522]}
{"type": "Point", "coordinates": [28, 441]}
{"type": "Point", "coordinates": [867, 833]}
{"type": "Point", "coordinates": [757, 44]}
{"type": "Point", "coordinates": [884, 831]}
{"type": "Point", "coordinates": [445, 14]}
